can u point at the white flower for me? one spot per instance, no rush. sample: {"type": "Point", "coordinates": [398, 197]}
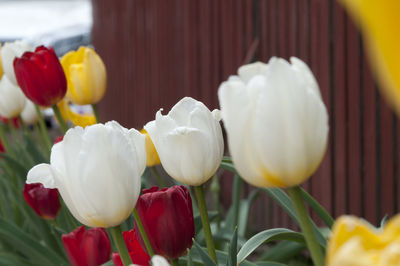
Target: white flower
{"type": "Point", "coordinates": [189, 141]}
{"type": "Point", "coordinates": [97, 171]}
{"type": "Point", "coordinates": [12, 99]}
{"type": "Point", "coordinates": [276, 122]}
{"type": "Point", "coordinates": [29, 115]}
{"type": "Point", "coordinates": [9, 51]}
{"type": "Point", "coordinates": [156, 260]}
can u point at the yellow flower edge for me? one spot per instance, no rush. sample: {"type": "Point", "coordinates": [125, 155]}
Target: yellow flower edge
{"type": "Point", "coordinates": [76, 119]}
{"type": "Point", "coordinates": [354, 242]}
{"type": "Point", "coordinates": [152, 155]}
{"type": "Point", "coordinates": [379, 23]}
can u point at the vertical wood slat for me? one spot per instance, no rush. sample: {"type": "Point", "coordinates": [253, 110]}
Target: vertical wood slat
{"type": "Point", "coordinates": [175, 48]}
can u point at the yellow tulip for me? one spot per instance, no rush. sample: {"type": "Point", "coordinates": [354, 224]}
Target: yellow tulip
{"type": "Point", "coordinates": [356, 243]}
{"type": "Point", "coordinates": [86, 76]}
{"type": "Point", "coordinates": [152, 155]}
{"type": "Point", "coordinates": [380, 26]}
{"type": "Point", "coordinates": [1, 64]}
{"type": "Point", "coordinates": [76, 119]}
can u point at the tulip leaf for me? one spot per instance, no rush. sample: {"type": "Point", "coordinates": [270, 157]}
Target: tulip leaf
{"type": "Point", "coordinates": [108, 263]}
{"type": "Point", "coordinates": [322, 213]}
{"type": "Point", "coordinates": [282, 251]}
{"type": "Point", "coordinates": [283, 200]}
{"type": "Point", "coordinates": [189, 258]}
{"type": "Point", "coordinates": [27, 245]}
{"type": "Point", "coordinates": [7, 259]}
{"type": "Point", "coordinates": [204, 256]}
{"type": "Point", "coordinates": [33, 151]}
{"type": "Point", "coordinates": [231, 258]}
{"type": "Point", "coordinates": [269, 263]}
{"type": "Point", "coordinates": [268, 236]}
{"type": "Point", "coordinates": [228, 166]}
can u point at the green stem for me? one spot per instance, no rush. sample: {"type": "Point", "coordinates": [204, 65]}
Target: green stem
{"type": "Point", "coordinates": [216, 189]}
{"type": "Point", "coordinates": [43, 128]}
{"type": "Point", "coordinates": [157, 176]}
{"type": "Point", "coordinates": [60, 119]}
{"type": "Point", "coordinates": [175, 262]}
{"type": "Point", "coordinates": [199, 191]}
{"type": "Point", "coordinates": [96, 112]}
{"type": "Point", "coordinates": [237, 185]}
{"type": "Point", "coordinates": [143, 233]}
{"type": "Point", "coordinates": [305, 224]}
{"type": "Point", "coordinates": [116, 234]}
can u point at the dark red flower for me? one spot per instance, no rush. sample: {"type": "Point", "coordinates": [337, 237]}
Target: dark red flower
{"type": "Point", "coordinates": [58, 139]}
{"type": "Point", "coordinates": [44, 201]}
{"type": "Point", "coordinates": [137, 253]}
{"type": "Point", "coordinates": [87, 247]}
{"type": "Point", "coordinates": [40, 76]}
{"type": "Point", "coordinates": [167, 217]}
{"type": "Point", "coordinates": [15, 121]}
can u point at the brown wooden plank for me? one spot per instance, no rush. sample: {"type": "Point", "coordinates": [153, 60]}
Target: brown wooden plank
{"type": "Point", "coordinates": [340, 100]}
{"type": "Point", "coordinates": [264, 28]}
{"type": "Point", "coordinates": [354, 119]}
{"type": "Point", "coordinates": [370, 150]}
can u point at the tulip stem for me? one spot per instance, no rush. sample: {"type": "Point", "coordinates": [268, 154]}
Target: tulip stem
{"type": "Point", "coordinates": [43, 128]}
{"type": "Point", "coordinates": [175, 262]}
{"type": "Point", "coordinates": [60, 119]}
{"type": "Point", "coordinates": [143, 233]}
{"type": "Point", "coordinates": [4, 140]}
{"type": "Point", "coordinates": [199, 191]}
{"type": "Point", "coordinates": [305, 224]}
{"type": "Point", "coordinates": [96, 113]}
{"type": "Point", "coordinates": [116, 234]}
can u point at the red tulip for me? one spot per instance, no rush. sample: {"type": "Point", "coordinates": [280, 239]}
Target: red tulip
{"type": "Point", "coordinates": [167, 217]}
{"type": "Point", "coordinates": [40, 76]}
{"type": "Point", "coordinates": [137, 253]}
{"type": "Point", "coordinates": [87, 247]}
{"type": "Point", "coordinates": [44, 201]}
{"type": "Point", "coordinates": [15, 121]}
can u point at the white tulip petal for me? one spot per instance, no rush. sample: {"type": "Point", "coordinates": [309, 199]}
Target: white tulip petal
{"type": "Point", "coordinates": [247, 72]}
{"type": "Point", "coordinates": [188, 141]}
{"type": "Point", "coordinates": [9, 51]}
{"type": "Point", "coordinates": [158, 260]}
{"type": "Point", "coordinates": [41, 173]}
{"type": "Point", "coordinates": [12, 100]}
{"type": "Point", "coordinates": [277, 124]}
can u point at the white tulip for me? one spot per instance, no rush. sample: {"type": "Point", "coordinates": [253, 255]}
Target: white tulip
{"type": "Point", "coordinates": [9, 51]}
{"type": "Point", "coordinates": [12, 99]}
{"type": "Point", "coordinates": [29, 115]}
{"type": "Point", "coordinates": [276, 122]}
{"type": "Point", "coordinates": [97, 171]}
{"type": "Point", "coordinates": [188, 141]}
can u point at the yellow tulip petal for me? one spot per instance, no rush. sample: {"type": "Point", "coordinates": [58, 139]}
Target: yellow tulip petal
{"type": "Point", "coordinates": [152, 155]}
{"type": "Point", "coordinates": [81, 120]}
{"type": "Point", "coordinates": [380, 26]}
{"type": "Point", "coordinates": [86, 76]}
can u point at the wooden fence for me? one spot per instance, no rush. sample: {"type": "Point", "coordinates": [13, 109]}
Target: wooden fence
{"type": "Point", "coordinates": [158, 51]}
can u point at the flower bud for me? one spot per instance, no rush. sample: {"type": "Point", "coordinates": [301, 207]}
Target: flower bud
{"type": "Point", "coordinates": [40, 76]}
{"type": "Point", "coordinates": [171, 231]}
{"type": "Point", "coordinates": [188, 140]}
{"type": "Point", "coordinates": [100, 184]}
{"type": "Point", "coordinates": [86, 76]}
{"type": "Point", "coordinates": [44, 201]}
{"type": "Point", "coordinates": [276, 122]}
{"type": "Point", "coordinates": [87, 247]}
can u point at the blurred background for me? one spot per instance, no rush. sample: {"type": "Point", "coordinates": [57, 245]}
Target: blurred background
{"type": "Point", "coordinates": [157, 52]}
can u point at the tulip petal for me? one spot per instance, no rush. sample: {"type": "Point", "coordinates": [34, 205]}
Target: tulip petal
{"type": "Point", "coordinates": [247, 72]}
{"type": "Point", "coordinates": [42, 173]}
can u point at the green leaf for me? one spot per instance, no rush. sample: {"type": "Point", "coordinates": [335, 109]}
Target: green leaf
{"type": "Point", "coordinates": [267, 236]}
{"type": "Point", "coordinates": [108, 263]}
{"type": "Point", "coordinates": [7, 259]}
{"type": "Point", "coordinates": [322, 213]}
{"type": "Point", "coordinates": [283, 200]}
{"type": "Point", "coordinates": [231, 258]}
{"type": "Point", "coordinates": [32, 149]}
{"type": "Point", "coordinates": [189, 258]}
{"type": "Point", "coordinates": [204, 256]}
{"type": "Point", "coordinates": [25, 244]}
{"type": "Point", "coordinates": [282, 251]}
{"type": "Point", "coordinates": [269, 263]}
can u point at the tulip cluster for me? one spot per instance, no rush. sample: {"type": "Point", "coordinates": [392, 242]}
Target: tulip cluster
{"type": "Point", "coordinates": [277, 131]}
